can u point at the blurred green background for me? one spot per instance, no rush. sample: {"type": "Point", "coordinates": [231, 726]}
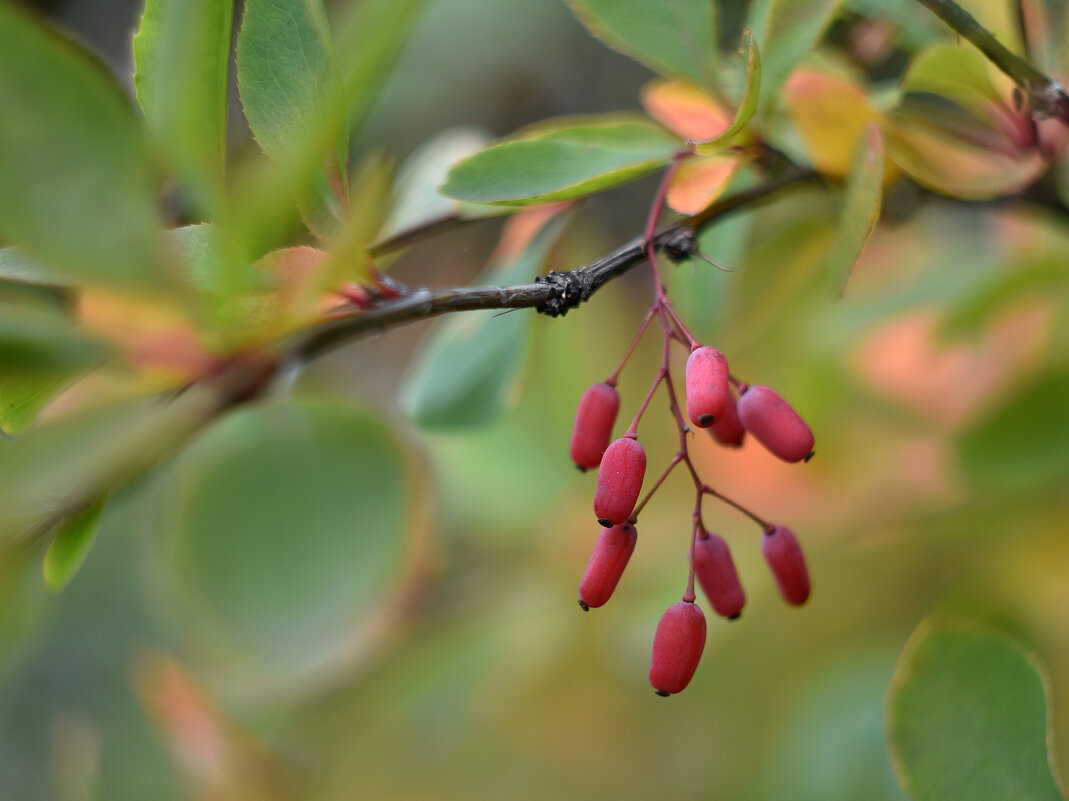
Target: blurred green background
{"type": "Point", "coordinates": [357, 608]}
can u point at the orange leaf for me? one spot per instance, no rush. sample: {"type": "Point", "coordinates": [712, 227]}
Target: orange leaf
{"type": "Point", "coordinates": [701, 180]}
{"type": "Point", "coordinates": [830, 114]}
{"type": "Point", "coordinates": [155, 334]}
{"type": "Point", "coordinates": [299, 271]}
{"type": "Point", "coordinates": [685, 110]}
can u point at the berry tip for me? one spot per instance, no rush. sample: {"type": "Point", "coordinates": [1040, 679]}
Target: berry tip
{"type": "Point", "coordinates": [662, 693]}
{"type": "Point", "coordinates": [605, 522]}
{"type": "Point", "coordinates": [582, 603]}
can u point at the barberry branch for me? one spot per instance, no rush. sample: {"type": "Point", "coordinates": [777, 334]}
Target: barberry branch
{"type": "Point", "coordinates": [555, 294]}
{"type": "Point", "coordinates": [1047, 96]}
{"type": "Point", "coordinates": [245, 377]}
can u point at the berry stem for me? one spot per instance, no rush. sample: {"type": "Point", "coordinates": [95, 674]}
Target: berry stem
{"type": "Point", "coordinates": [764, 524]}
{"type": "Point", "coordinates": [632, 430]}
{"type": "Point", "coordinates": [689, 595]}
{"type": "Point", "coordinates": [691, 341]}
{"type": "Point", "coordinates": [611, 380]}
{"type": "Point", "coordinates": [641, 504]}
{"type": "Point", "coordinates": [651, 223]}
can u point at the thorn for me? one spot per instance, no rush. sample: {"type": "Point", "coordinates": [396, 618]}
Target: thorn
{"type": "Point", "coordinates": [582, 603]}
{"type": "Point", "coordinates": [506, 311]}
{"type": "Point", "coordinates": [713, 262]}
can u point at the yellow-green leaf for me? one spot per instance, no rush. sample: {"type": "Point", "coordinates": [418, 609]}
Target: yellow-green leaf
{"type": "Point", "coordinates": [562, 159]}
{"type": "Point", "coordinates": [70, 545]}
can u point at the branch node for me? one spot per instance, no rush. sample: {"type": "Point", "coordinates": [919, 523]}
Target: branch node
{"type": "Point", "coordinates": [569, 290]}
{"type": "Point", "coordinates": [679, 245]}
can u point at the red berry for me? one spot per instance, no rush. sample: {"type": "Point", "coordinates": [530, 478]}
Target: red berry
{"type": "Point", "coordinates": [594, 420]}
{"type": "Point", "coordinates": [716, 572]}
{"type": "Point", "coordinates": [619, 481]}
{"type": "Point", "coordinates": [611, 553]}
{"type": "Point", "coordinates": [787, 562]}
{"type": "Point", "coordinates": [727, 429]}
{"type": "Point", "coordinates": [677, 647]}
{"type": "Point", "coordinates": [707, 385]}
{"type": "Point", "coordinates": [775, 424]}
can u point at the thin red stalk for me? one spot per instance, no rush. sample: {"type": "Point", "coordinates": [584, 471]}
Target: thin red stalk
{"type": "Point", "coordinates": [651, 226]}
{"type": "Point", "coordinates": [632, 430]}
{"type": "Point", "coordinates": [682, 328]}
{"type": "Point", "coordinates": [764, 524]}
{"type": "Point", "coordinates": [657, 485]}
{"type": "Point", "coordinates": [611, 380]}
{"type": "Point", "coordinates": [688, 596]}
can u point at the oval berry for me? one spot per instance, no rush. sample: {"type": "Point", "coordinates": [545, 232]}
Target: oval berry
{"type": "Point", "coordinates": [594, 420]}
{"type": "Point", "coordinates": [716, 573]}
{"type": "Point", "coordinates": [620, 475]}
{"type": "Point", "coordinates": [677, 647]}
{"type": "Point", "coordinates": [728, 429]}
{"type": "Point", "coordinates": [612, 551]}
{"type": "Point", "coordinates": [785, 559]}
{"type": "Point", "coordinates": [707, 385]}
{"type": "Point", "coordinates": [775, 424]}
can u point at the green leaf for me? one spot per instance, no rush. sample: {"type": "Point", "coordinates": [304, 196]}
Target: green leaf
{"type": "Point", "coordinates": [285, 528]}
{"type": "Point", "coordinates": [952, 131]}
{"type": "Point", "coordinates": [182, 68]}
{"type": "Point", "coordinates": [969, 314]}
{"type": "Point", "coordinates": [750, 94]}
{"type": "Point", "coordinates": [416, 198]}
{"type": "Point", "coordinates": [465, 373]}
{"type": "Point", "coordinates": [967, 718]}
{"type": "Point", "coordinates": [1024, 443]}
{"type": "Point", "coordinates": [561, 160]}
{"type": "Point", "coordinates": [75, 459]}
{"type": "Point", "coordinates": [677, 38]}
{"type": "Point", "coordinates": [70, 545]}
{"type": "Point", "coordinates": [787, 30]}
{"type": "Point", "coordinates": [36, 339]}
{"type": "Point", "coordinates": [15, 265]}
{"type": "Point", "coordinates": [861, 208]}
{"type": "Point", "coordinates": [369, 43]}
{"type": "Point", "coordinates": [77, 184]}
{"type": "Point", "coordinates": [23, 395]}
{"type": "Point", "coordinates": [288, 77]}
{"type": "Point", "coordinates": [956, 72]}
{"type": "Point", "coordinates": [202, 250]}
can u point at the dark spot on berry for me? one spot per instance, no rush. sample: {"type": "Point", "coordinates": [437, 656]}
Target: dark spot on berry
{"type": "Point", "coordinates": [580, 468]}
{"type": "Point", "coordinates": [582, 603]}
{"type": "Point", "coordinates": [662, 693]}
{"type": "Point", "coordinates": [706, 420]}
{"type": "Point", "coordinates": [735, 616]}
{"type": "Point", "coordinates": [605, 522]}
{"type": "Point", "coordinates": [810, 455]}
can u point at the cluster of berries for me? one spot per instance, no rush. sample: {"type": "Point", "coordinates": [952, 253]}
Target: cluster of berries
{"type": "Point", "coordinates": [728, 416]}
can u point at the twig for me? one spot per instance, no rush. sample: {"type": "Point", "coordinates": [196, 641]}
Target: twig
{"type": "Point", "coordinates": [545, 296]}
